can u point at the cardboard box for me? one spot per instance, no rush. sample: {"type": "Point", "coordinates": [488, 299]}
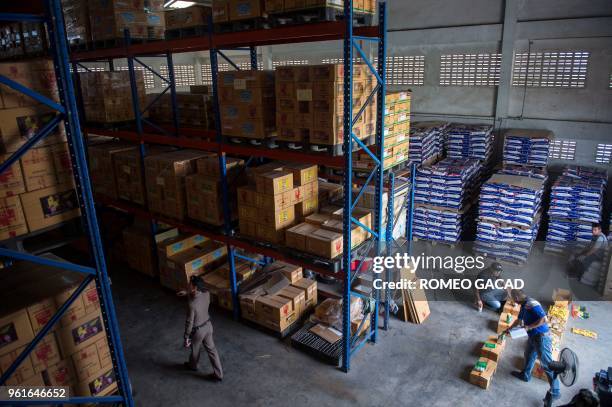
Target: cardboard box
{"type": "Point", "coordinates": [327, 333]}
{"type": "Point", "coordinates": [505, 320]}
{"type": "Point", "coordinates": [295, 237]}
{"type": "Point", "coordinates": [12, 218]}
{"type": "Point", "coordinates": [38, 168]}
{"type": "Point", "coordinates": [20, 124]}
{"type": "Point", "coordinates": [81, 333]}
{"type": "Point", "coordinates": [269, 233]}
{"type": "Point", "coordinates": [310, 290]}
{"type": "Point", "coordinates": [62, 163]}
{"type": "Point", "coordinates": [483, 379]}
{"type": "Point", "coordinates": [50, 206]}
{"type": "Point", "coordinates": [562, 297]}
{"type": "Point", "coordinates": [11, 180]}
{"type": "Point", "coordinates": [102, 168]}
{"type": "Point", "coordinates": [292, 272]}
{"type": "Point", "coordinates": [178, 244]}
{"type": "Point", "coordinates": [45, 354]}
{"type": "Point", "coordinates": [178, 269]}
{"type": "Point", "coordinates": [492, 349]}
{"type": "Point", "coordinates": [24, 372]}
{"type": "Point", "coordinates": [306, 208]}
{"type": "Point", "coordinates": [40, 313]}
{"type": "Point", "coordinates": [220, 11]}
{"type": "Point", "coordinates": [324, 243]}
{"type": "Point", "coordinates": [101, 383]}
{"type": "Point", "coordinates": [86, 361]}
{"type": "Point", "coordinates": [60, 374]}
{"type": "Point", "coordinates": [317, 219]}
{"type": "Point", "coordinates": [15, 331]}
{"type": "Point", "coordinates": [274, 182]}
{"type": "Point", "coordinates": [303, 173]}
{"type": "Point", "coordinates": [277, 220]}
{"type": "Point", "coordinates": [138, 246]}
{"type": "Point", "coordinates": [107, 95]}
{"type": "Point", "coordinates": [512, 309]}
{"type": "Point", "coordinates": [111, 25]}
{"type": "Point", "coordinates": [245, 9]}
{"type": "Point", "coordinates": [194, 16]}
{"type": "Point", "coordinates": [247, 195]}
{"type": "Point", "coordinates": [297, 297]}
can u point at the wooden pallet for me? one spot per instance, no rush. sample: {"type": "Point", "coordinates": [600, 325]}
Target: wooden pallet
{"type": "Point", "coordinates": [256, 23]}
{"type": "Point", "coordinates": [266, 142]}
{"type": "Point", "coordinates": [114, 43]}
{"type": "Point", "coordinates": [317, 15]}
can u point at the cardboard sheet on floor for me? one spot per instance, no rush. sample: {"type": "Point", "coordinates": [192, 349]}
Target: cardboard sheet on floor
{"type": "Point", "coordinates": [415, 305]}
{"type": "Point", "coordinates": [327, 333]}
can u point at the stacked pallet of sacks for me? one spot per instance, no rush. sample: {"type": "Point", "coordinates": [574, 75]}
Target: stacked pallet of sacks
{"type": "Point", "coordinates": [491, 351]}
{"type": "Point", "coordinates": [37, 191]}
{"type": "Point", "coordinates": [509, 216]}
{"type": "Point", "coordinates": [524, 171]}
{"type": "Point", "coordinates": [426, 142]}
{"type": "Point", "coordinates": [444, 196]}
{"type": "Point", "coordinates": [527, 147]}
{"type": "Point", "coordinates": [75, 353]}
{"type": "Point", "coordinates": [469, 141]}
{"type": "Point", "coordinates": [278, 297]}
{"type": "Point", "coordinates": [576, 201]}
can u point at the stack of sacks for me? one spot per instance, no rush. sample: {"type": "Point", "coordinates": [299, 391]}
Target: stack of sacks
{"type": "Point", "coordinates": [426, 141]}
{"type": "Point", "coordinates": [527, 147]}
{"type": "Point", "coordinates": [576, 201]}
{"type": "Point", "coordinates": [531, 172]}
{"type": "Point", "coordinates": [451, 183]}
{"type": "Point", "coordinates": [509, 216]}
{"type": "Point", "coordinates": [444, 195]}
{"type": "Point", "coordinates": [469, 141]}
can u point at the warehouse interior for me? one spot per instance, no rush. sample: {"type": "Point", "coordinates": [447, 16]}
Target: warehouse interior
{"type": "Point", "coordinates": [163, 158]}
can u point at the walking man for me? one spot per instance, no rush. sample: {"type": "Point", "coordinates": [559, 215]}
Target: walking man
{"type": "Point", "coordinates": [199, 330]}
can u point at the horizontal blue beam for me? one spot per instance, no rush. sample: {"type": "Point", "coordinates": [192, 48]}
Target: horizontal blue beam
{"type": "Point", "coordinates": [44, 132]}
{"type": "Point", "coordinates": [43, 332]}
{"type": "Point", "coordinates": [44, 261]}
{"type": "Point", "coordinates": [367, 229]}
{"type": "Point", "coordinates": [34, 18]}
{"type": "Point", "coordinates": [30, 93]}
{"type": "Point", "coordinates": [365, 148]}
{"type": "Point", "coordinates": [362, 38]}
{"type": "Point", "coordinates": [70, 400]}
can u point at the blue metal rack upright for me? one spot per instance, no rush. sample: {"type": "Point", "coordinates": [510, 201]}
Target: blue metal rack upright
{"type": "Point", "coordinates": [68, 114]}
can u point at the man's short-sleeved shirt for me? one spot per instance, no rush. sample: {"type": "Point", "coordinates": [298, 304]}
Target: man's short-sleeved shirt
{"type": "Point", "coordinates": [532, 311]}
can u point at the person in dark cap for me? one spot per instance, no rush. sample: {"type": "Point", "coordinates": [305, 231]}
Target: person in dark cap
{"type": "Point", "coordinates": [488, 295]}
{"type": "Point", "coordinates": [199, 330]}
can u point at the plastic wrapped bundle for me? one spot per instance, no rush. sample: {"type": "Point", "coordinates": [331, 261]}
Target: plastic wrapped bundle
{"type": "Point", "coordinates": [426, 141]}
{"type": "Point", "coordinates": [511, 200]}
{"type": "Point", "coordinates": [506, 242]}
{"type": "Point", "coordinates": [531, 172]}
{"type": "Point", "coordinates": [585, 173]}
{"type": "Point", "coordinates": [527, 147]}
{"type": "Point", "coordinates": [564, 235]}
{"type": "Point", "coordinates": [439, 224]}
{"type": "Point", "coordinates": [469, 141]}
{"type": "Point", "coordinates": [579, 199]}
{"type": "Point", "coordinates": [450, 183]}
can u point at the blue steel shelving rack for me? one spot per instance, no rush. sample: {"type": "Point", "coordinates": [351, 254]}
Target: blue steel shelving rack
{"type": "Point", "coordinates": [352, 38]}
{"type": "Point", "coordinates": [67, 112]}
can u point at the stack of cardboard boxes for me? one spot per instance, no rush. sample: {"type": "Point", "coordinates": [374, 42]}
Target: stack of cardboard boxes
{"type": "Point", "coordinates": [246, 100]}
{"type": "Point", "coordinates": [75, 353]}
{"type": "Point", "coordinates": [188, 17]}
{"type": "Point", "coordinates": [283, 299]}
{"type": "Point", "coordinates": [396, 131]}
{"type": "Point", "coordinates": [203, 189]}
{"type": "Point", "coordinates": [279, 193]}
{"type": "Point", "coordinates": [185, 256]}
{"type": "Point", "coordinates": [102, 167]}
{"type": "Point", "coordinates": [107, 96]}
{"type": "Point", "coordinates": [109, 19]}
{"type": "Point", "coordinates": [310, 103]}
{"type": "Point", "coordinates": [36, 191]}
{"type": "Point", "coordinates": [321, 233]}
{"type": "Point", "coordinates": [165, 181]}
{"type": "Point", "coordinates": [195, 109]}
{"type": "Point", "coordinates": [155, 17]}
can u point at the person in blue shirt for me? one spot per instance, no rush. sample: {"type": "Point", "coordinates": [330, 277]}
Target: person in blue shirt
{"type": "Point", "coordinates": [539, 343]}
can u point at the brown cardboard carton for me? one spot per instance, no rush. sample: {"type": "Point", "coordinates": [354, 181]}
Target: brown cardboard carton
{"type": "Point", "coordinates": [178, 269]}
{"type": "Point", "coordinates": [50, 206]}
{"type": "Point", "coordinates": [38, 168]}
{"type": "Point", "coordinates": [102, 168]}
{"type": "Point", "coordinates": [45, 354]}
{"type": "Point", "coordinates": [104, 353]}
{"type": "Point", "coordinates": [492, 349]}
{"type": "Point", "coordinates": [40, 313]}
{"type": "Point", "coordinates": [324, 243]}
{"type": "Point", "coordinates": [512, 308]}
{"type": "Point", "coordinates": [194, 16]}
{"type": "Point", "coordinates": [85, 304]}
{"type": "Point", "coordinates": [505, 320]}
{"type": "Point", "coordinates": [277, 220]}
{"type": "Point", "coordinates": [108, 26]}
{"type": "Point", "coordinates": [274, 202]}
{"type": "Point", "coordinates": [60, 374]}
{"type": "Point", "coordinates": [303, 173]}
{"type": "Point", "coordinates": [138, 245]}
{"type": "Point", "coordinates": [101, 383]}
{"type": "Point", "coordinates": [209, 166]}
{"type": "Point", "coordinates": [11, 180]}
{"type": "Point", "coordinates": [358, 234]}
{"type": "Point", "coordinates": [274, 309]}
{"type": "Point", "coordinates": [20, 124]}
{"type": "Point", "coordinates": [245, 9]}
{"type": "Point", "coordinates": [317, 219]}
{"type": "Point", "coordinates": [483, 379]}
{"type": "Point", "coordinates": [327, 333]}
{"type": "Point", "coordinates": [251, 79]}
{"type": "Point", "coordinates": [24, 372]}
{"type": "Point", "coordinates": [81, 333]}
{"type": "Point", "coordinates": [292, 272]}
{"type": "Point", "coordinates": [12, 219]}
{"type": "Point", "coordinates": [269, 233]}
{"type": "Point", "coordinates": [86, 361]}
{"type": "Point", "coordinates": [295, 237]}
{"type": "Point", "coordinates": [16, 331]}
{"type": "Point", "coordinates": [247, 195]}
{"type": "Point", "coordinates": [329, 192]}
{"type": "Point", "coordinates": [62, 163]}
{"type": "Point", "coordinates": [297, 297]}
{"type": "Point", "coordinates": [247, 227]}
{"type": "Point", "coordinates": [178, 244]}
{"type": "Point", "coordinates": [248, 213]}
{"type": "Point", "coordinates": [274, 182]}
{"type": "Point", "coordinates": [220, 11]}
{"type": "Point", "coordinates": [305, 208]}
{"type": "Point", "coordinates": [310, 290]}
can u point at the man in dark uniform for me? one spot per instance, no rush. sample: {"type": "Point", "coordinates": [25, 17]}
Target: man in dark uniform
{"type": "Point", "coordinates": [199, 330]}
{"type": "Point", "coordinates": [491, 297]}
{"type": "Point", "coordinates": [539, 344]}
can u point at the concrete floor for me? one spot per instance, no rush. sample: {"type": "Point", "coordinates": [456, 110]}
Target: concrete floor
{"type": "Point", "coordinates": [417, 365]}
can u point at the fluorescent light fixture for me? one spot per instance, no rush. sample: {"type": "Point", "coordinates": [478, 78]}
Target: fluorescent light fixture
{"type": "Point", "coordinates": [178, 3]}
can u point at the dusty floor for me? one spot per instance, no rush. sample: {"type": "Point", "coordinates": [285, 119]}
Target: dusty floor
{"type": "Point", "coordinates": [417, 365]}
